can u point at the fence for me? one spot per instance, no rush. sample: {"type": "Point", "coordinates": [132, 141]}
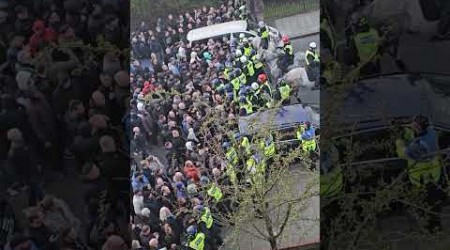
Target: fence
{"type": "Point", "coordinates": [275, 9]}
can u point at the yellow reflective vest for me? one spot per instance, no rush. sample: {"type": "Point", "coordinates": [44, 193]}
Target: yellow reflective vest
{"type": "Point", "coordinates": [243, 79]}
{"type": "Point", "coordinates": [269, 148]}
{"type": "Point", "coordinates": [307, 145]}
{"type": "Point", "coordinates": [247, 51]}
{"type": "Point", "coordinates": [250, 68]}
{"type": "Point", "coordinates": [232, 156]}
{"type": "Point", "coordinates": [288, 49]}
{"type": "Point", "coordinates": [285, 92]}
{"type": "Point", "coordinates": [245, 144]}
{"type": "Point", "coordinates": [198, 243]}
{"type": "Point", "coordinates": [309, 54]}
{"type": "Point", "coordinates": [420, 173]}
{"type": "Point", "coordinates": [207, 218]}
{"type": "Point", "coordinates": [367, 44]}
{"type": "Point", "coordinates": [236, 83]}
{"type": "Point", "coordinates": [215, 192]}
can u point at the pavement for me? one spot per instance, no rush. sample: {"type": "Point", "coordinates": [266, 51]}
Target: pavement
{"type": "Point", "coordinates": [296, 233]}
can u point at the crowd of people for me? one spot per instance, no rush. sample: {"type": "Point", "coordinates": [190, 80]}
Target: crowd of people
{"type": "Point", "coordinates": [63, 95]}
{"type": "Point", "coordinates": [176, 86]}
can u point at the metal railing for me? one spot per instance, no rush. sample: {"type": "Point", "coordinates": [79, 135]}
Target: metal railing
{"type": "Point", "coordinates": [275, 9]}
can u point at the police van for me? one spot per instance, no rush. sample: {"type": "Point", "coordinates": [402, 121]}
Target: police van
{"type": "Point", "coordinates": [284, 121]}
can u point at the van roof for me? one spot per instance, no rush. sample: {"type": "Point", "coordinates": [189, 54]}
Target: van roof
{"type": "Point", "coordinates": [277, 118]}
{"type": "Point", "coordinates": [216, 30]}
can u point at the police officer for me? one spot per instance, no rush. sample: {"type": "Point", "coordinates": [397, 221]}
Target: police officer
{"type": "Point", "coordinates": [418, 145]}
{"type": "Point", "coordinates": [235, 82]}
{"type": "Point", "coordinates": [285, 92]}
{"type": "Point", "coordinates": [232, 157]}
{"type": "Point", "coordinates": [196, 239]}
{"type": "Point", "coordinates": [256, 169]}
{"type": "Point", "coordinates": [249, 69]}
{"type": "Point", "coordinates": [244, 146]}
{"type": "Point", "coordinates": [264, 84]}
{"type": "Point", "coordinates": [306, 134]}
{"type": "Point", "coordinates": [206, 224]}
{"type": "Point", "coordinates": [237, 57]}
{"type": "Point", "coordinates": [268, 148]}
{"type": "Point", "coordinates": [228, 69]}
{"type": "Point", "coordinates": [365, 46]}
{"type": "Point", "coordinates": [242, 77]}
{"type": "Point", "coordinates": [263, 32]}
{"type": "Point", "coordinates": [245, 106]}
{"type": "Point", "coordinates": [311, 55]}
{"type": "Point", "coordinates": [247, 47]}
{"type": "Point", "coordinates": [212, 189]}
{"type": "Point", "coordinates": [255, 97]}
{"type": "Point", "coordinates": [288, 50]}
{"type": "Point", "coordinates": [258, 64]}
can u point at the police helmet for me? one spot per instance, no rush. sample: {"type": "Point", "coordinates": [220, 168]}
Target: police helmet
{"type": "Point", "coordinates": [204, 180]}
{"type": "Point", "coordinates": [191, 230]}
{"type": "Point", "coordinates": [215, 82]}
{"type": "Point", "coordinates": [228, 88]}
{"type": "Point", "coordinates": [243, 59]}
{"type": "Point", "coordinates": [255, 86]}
{"type": "Point", "coordinates": [261, 24]}
{"type": "Point", "coordinates": [230, 96]}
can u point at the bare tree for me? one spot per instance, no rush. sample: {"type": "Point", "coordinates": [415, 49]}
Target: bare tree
{"type": "Point", "coordinates": [271, 207]}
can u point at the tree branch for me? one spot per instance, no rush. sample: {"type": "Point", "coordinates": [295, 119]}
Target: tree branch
{"type": "Point", "coordinates": [286, 219]}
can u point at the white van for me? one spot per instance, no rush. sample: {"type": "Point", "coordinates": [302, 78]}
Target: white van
{"type": "Point", "coordinates": [234, 28]}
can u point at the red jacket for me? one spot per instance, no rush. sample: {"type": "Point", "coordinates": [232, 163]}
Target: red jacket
{"type": "Point", "coordinates": [191, 172]}
{"type": "Point", "coordinates": [41, 34]}
{"type": "Point", "coordinates": [148, 88]}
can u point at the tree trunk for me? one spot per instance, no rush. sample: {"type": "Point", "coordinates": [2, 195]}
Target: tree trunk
{"type": "Point", "coordinates": [273, 244]}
